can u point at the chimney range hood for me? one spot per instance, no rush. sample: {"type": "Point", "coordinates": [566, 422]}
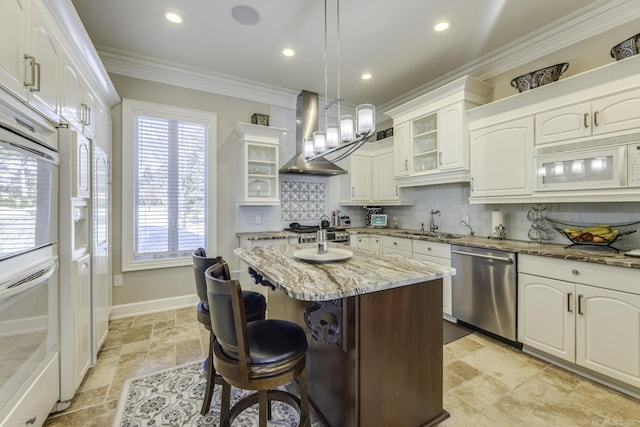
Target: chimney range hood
{"type": "Point", "coordinates": [306, 124]}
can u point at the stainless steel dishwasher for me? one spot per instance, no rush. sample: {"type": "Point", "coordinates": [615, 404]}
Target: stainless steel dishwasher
{"type": "Point", "coordinates": [484, 289]}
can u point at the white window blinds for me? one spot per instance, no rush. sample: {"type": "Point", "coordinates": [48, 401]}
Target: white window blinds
{"type": "Point", "coordinates": [169, 188]}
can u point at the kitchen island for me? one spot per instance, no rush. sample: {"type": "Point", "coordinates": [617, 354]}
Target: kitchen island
{"type": "Point", "coordinates": [374, 327]}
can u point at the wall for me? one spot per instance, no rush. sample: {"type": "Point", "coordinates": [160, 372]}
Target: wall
{"type": "Point", "coordinates": [452, 202]}
{"type": "Point", "coordinates": [171, 282]}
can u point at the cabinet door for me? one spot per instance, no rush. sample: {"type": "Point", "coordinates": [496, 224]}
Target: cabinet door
{"type": "Point", "coordinates": [446, 281]}
{"type": "Point", "coordinates": [502, 159]}
{"type": "Point", "coordinates": [13, 24]}
{"type": "Point", "coordinates": [360, 177]}
{"type": "Point", "coordinates": [401, 141]}
{"type": "Point", "coordinates": [608, 333]}
{"type": "Point", "coordinates": [564, 123]}
{"type": "Point", "coordinates": [363, 242]}
{"type": "Point", "coordinates": [616, 113]}
{"type": "Point", "coordinates": [81, 291]}
{"type": "Point", "coordinates": [452, 137]}
{"type": "Point", "coordinates": [44, 47]}
{"type": "Point", "coordinates": [546, 318]}
{"type": "Point", "coordinates": [90, 107]}
{"type": "Point", "coordinates": [387, 187]}
{"type": "Point", "coordinates": [71, 94]}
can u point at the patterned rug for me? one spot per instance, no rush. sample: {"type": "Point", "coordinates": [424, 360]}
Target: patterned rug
{"type": "Point", "coordinates": [173, 397]}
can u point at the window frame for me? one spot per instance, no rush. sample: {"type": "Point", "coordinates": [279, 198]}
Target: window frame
{"type": "Point", "coordinates": [130, 108]}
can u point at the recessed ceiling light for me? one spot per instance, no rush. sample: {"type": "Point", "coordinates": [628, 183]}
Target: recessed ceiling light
{"type": "Point", "coordinates": [245, 15]}
{"type": "Point", "coordinates": [366, 76]}
{"type": "Point", "coordinates": [442, 25]}
{"type": "Point", "coordinates": [173, 17]}
{"type": "Point", "coordinates": [288, 52]}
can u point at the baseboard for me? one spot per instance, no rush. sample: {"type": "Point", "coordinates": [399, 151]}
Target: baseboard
{"type": "Point", "coordinates": [153, 306]}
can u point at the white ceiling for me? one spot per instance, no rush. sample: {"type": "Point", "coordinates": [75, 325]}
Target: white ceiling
{"type": "Point", "coordinates": [393, 40]}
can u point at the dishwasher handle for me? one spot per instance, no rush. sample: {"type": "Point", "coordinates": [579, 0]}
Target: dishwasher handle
{"type": "Point", "coordinates": [492, 257]}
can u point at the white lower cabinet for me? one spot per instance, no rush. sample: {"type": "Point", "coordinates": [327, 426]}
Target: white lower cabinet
{"type": "Point", "coordinates": [437, 253]}
{"type": "Point", "coordinates": [34, 406]}
{"type": "Point", "coordinates": [371, 243]}
{"type": "Point", "coordinates": [396, 245]}
{"type": "Point", "coordinates": [582, 323]}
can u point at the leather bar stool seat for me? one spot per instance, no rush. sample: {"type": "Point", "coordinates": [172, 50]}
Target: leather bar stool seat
{"type": "Point", "coordinates": [255, 306]}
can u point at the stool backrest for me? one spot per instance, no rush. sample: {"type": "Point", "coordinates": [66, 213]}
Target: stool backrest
{"type": "Point", "coordinates": [227, 311]}
{"type": "Point", "coordinates": [200, 265]}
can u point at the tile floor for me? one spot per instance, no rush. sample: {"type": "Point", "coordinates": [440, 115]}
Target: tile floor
{"type": "Point", "coordinates": [485, 382]}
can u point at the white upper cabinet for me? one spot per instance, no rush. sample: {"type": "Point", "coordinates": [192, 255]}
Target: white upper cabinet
{"type": "Point", "coordinates": [431, 141]}
{"type": "Point", "coordinates": [13, 25]}
{"type": "Point", "coordinates": [453, 138]}
{"type": "Point", "coordinates": [43, 62]}
{"type": "Point", "coordinates": [29, 56]}
{"type": "Point", "coordinates": [401, 148]}
{"type": "Point", "coordinates": [502, 159]}
{"type": "Point", "coordinates": [259, 164]}
{"type": "Point", "coordinates": [79, 102]}
{"type": "Point", "coordinates": [372, 176]}
{"type": "Point", "coordinates": [605, 115]}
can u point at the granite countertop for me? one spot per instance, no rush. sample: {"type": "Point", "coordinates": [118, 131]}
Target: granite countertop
{"type": "Point", "coordinates": [360, 274]}
{"type": "Point", "coordinates": [593, 255]}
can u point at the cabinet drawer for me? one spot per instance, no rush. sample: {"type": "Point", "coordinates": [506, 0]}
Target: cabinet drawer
{"type": "Point", "coordinates": [397, 243]}
{"type": "Point", "coordinates": [437, 249]}
{"type": "Point", "coordinates": [603, 276]}
{"type": "Point", "coordinates": [34, 406]}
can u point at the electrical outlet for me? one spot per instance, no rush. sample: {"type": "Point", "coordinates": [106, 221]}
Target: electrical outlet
{"type": "Point", "coordinates": [258, 219]}
{"type": "Point", "coordinates": [117, 280]}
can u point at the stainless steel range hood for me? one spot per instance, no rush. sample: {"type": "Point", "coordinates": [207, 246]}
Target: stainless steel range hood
{"type": "Point", "coordinates": [306, 124]}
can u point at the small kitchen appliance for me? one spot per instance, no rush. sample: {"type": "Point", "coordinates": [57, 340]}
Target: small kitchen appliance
{"type": "Point", "coordinates": [379, 220]}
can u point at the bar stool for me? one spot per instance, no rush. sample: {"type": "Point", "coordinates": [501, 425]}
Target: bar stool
{"type": "Point", "coordinates": [255, 305]}
{"type": "Point", "coordinates": [260, 355]}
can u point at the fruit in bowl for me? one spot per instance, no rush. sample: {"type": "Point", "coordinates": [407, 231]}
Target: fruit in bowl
{"type": "Point", "coordinates": [603, 233]}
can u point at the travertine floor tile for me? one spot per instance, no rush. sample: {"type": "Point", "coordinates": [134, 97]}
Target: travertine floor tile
{"type": "Point", "coordinates": [486, 383]}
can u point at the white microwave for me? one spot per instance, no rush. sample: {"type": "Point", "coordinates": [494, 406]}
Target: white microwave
{"type": "Point", "coordinates": [612, 167]}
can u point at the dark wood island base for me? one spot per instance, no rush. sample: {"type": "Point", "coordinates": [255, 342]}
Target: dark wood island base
{"type": "Point", "coordinates": [386, 369]}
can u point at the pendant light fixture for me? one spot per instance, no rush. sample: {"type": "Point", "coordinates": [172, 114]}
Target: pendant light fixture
{"type": "Point", "coordinates": [350, 133]}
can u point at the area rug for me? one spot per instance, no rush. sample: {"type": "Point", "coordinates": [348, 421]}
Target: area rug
{"type": "Point", "coordinates": [173, 397]}
{"type": "Point", "coordinates": [452, 331]}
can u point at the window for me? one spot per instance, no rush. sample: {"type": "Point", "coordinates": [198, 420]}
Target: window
{"type": "Point", "coordinates": [168, 184]}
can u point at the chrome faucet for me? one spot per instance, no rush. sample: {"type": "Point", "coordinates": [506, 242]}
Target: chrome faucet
{"type": "Point", "coordinates": [432, 225]}
{"type": "Point", "coordinates": [471, 232]}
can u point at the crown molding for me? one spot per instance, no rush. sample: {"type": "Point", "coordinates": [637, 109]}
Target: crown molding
{"type": "Point", "coordinates": [156, 70]}
{"type": "Point", "coordinates": [598, 18]}
{"type": "Point", "coordinates": [582, 24]}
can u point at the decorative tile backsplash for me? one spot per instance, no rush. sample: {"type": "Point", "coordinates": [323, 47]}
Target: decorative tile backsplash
{"type": "Point", "coordinates": [301, 200]}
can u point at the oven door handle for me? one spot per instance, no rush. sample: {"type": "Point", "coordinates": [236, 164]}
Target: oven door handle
{"type": "Point", "coordinates": [26, 282]}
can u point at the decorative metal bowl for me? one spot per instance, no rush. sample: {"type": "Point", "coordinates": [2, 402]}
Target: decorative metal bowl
{"type": "Point", "coordinates": [593, 234]}
{"type": "Point", "coordinates": [539, 77]}
{"type": "Point", "coordinates": [627, 48]}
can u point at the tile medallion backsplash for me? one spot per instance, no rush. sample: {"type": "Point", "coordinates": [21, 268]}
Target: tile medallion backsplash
{"type": "Point", "coordinates": [301, 200]}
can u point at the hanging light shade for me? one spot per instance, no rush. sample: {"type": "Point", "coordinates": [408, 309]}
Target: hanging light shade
{"type": "Point", "coordinates": [319, 142]}
{"type": "Point", "coordinates": [308, 148]}
{"type": "Point", "coordinates": [332, 135]}
{"type": "Point", "coordinates": [352, 132]}
{"type": "Point", "coordinates": [366, 114]}
{"type": "Point", "coordinates": [347, 128]}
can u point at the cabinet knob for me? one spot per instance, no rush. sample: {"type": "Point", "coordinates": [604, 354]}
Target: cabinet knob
{"type": "Point", "coordinates": [31, 420]}
{"type": "Point", "coordinates": [586, 118]}
{"type": "Point", "coordinates": [428, 248]}
{"type": "Point", "coordinates": [595, 118]}
{"type": "Point", "coordinates": [575, 272]}
{"type": "Point", "coordinates": [395, 243]}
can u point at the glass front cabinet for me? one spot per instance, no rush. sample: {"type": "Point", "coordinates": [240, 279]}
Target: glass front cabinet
{"type": "Point", "coordinates": [259, 164]}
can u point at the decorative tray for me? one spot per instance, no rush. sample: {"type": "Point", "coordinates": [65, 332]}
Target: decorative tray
{"type": "Point", "coordinates": [593, 234]}
{"type": "Point", "coordinates": [312, 255]}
